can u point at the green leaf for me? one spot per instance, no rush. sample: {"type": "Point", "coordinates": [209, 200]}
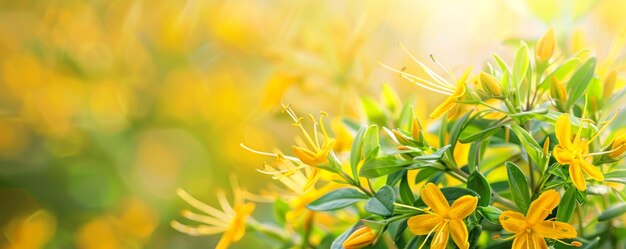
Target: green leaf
{"type": "Point", "coordinates": [434, 156]}
{"type": "Point", "coordinates": [338, 242]}
{"type": "Point", "coordinates": [357, 152]}
{"type": "Point", "coordinates": [520, 66]}
{"type": "Point", "coordinates": [535, 152]}
{"type": "Point", "coordinates": [519, 186]}
{"type": "Point", "coordinates": [280, 210]}
{"type": "Point", "coordinates": [382, 202]}
{"type": "Point", "coordinates": [384, 166]}
{"type": "Point", "coordinates": [390, 98]}
{"type": "Point", "coordinates": [491, 213]}
{"type": "Point", "coordinates": [616, 176]}
{"type": "Point", "coordinates": [456, 130]}
{"type": "Point", "coordinates": [373, 112]}
{"type": "Point", "coordinates": [425, 174]}
{"type": "Point", "coordinates": [560, 73]}
{"type": "Point", "coordinates": [478, 183]}
{"type": "Point", "coordinates": [503, 66]}
{"type": "Point", "coordinates": [613, 211]}
{"type": "Point", "coordinates": [337, 199]}
{"type": "Point", "coordinates": [579, 81]}
{"type": "Point", "coordinates": [405, 121]}
{"type": "Point", "coordinates": [474, 235]}
{"type": "Point", "coordinates": [567, 205]}
{"type": "Point", "coordinates": [371, 143]}
{"type": "Point", "coordinates": [405, 190]}
{"type": "Point", "coordinates": [473, 132]}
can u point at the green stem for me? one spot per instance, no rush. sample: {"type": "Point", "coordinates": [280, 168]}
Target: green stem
{"type": "Point", "coordinates": [270, 231]}
{"type": "Point", "coordinates": [462, 176]}
{"type": "Point", "coordinates": [492, 107]}
{"type": "Point", "coordinates": [355, 184]}
{"type": "Point", "coordinates": [510, 106]}
{"type": "Point", "coordinates": [580, 221]}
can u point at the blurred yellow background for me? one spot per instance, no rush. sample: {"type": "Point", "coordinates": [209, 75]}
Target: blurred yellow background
{"type": "Point", "coordinates": [106, 107]}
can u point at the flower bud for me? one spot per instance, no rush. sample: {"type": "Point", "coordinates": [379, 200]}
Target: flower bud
{"type": "Point", "coordinates": [546, 146]}
{"type": "Point", "coordinates": [490, 84]}
{"type": "Point", "coordinates": [557, 91]}
{"type": "Point", "coordinates": [402, 139]}
{"type": "Point", "coordinates": [618, 146]}
{"type": "Point", "coordinates": [545, 46]}
{"type": "Point", "coordinates": [416, 129]}
{"type": "Point", "coordinates": [361, 237]}
{"type": "Point", "coordinates": [609, 84]}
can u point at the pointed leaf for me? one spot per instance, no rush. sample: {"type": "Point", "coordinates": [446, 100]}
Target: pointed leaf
{"type": "Point", "coordinates": [337, 199]}
{"type": "Point", "coordinates": [519, 186]}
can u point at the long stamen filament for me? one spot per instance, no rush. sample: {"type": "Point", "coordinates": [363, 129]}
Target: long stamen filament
{"type": "Point", "coordinates": [430, 72]}
{"type": "Point", "coordinates": [290, 158]}
{"type": "Point", "coordinates": [412, 207]}
{"type": "Point", "coordinates": [421, 81]}
{"type": "Point", "coordinates": [605, 152]}
{"type": "Point", "coordinates": [604, 126]}
{"type": "Point", "coordinates": [444, 68]}
{"type": "Point", "coordinates": [582, 118]}
{"type": "Point", "coordinates": [429, 233]}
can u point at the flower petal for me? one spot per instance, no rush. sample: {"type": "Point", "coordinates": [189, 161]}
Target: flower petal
{"type": "Point", "coordinates": [555, 230]}
{"type": "Point", "coordinates": [434, 198]}
{"type": "Point", "coordinates": [513, 222]}
{"type": "Point", "coordinates": [537, 241]}
{"type": "Point", "coordinates": [521, 241]}
{"type": "Point", "coordinates": [463, 207]}
{"type": "Point", "coordinates": [440, 241]}
{"type": "Point", "coordinates": [577, 176]}
{"type": "Point", "coordinates": [542, 207]}
{"type": "Point", "coordinates": [459, 233]}
{"type": "Point", "coordinates": [444, 107]}
{"type": "Point", "coordinates": [562, 156]}
{"type": "Point", "coordinates": [563, 131]}
{"type": "Point", "coordinates": [591, 170]}
{"type": "Point", "coordinates": [424, 223]}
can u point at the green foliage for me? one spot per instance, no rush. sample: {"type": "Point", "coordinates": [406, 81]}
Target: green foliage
{"type": "Point", "coordinates": [337, 199]}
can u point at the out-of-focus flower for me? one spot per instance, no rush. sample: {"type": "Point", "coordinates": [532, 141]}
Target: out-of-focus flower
{"type": "Point", "coordinates": [360, 238]}
{"type": "Point", "coordinates": [297, 177]}
{"type": "Point", "coordinates": [130, 227]}
{"type": "Point", "coordinates": [444, 220]}
{"type": "Point", "coordinates": [609, 84]}
{"type": "Point", "coordinates": [558, 94]}
{"type": "Point", "coordinates": [31, 232]}
{"type": "Point", "coordinates": [231, 220]}
{"type": "Point", "coordinates": [573, 153]}
{"type": "Point", "coordinates": [531, 230]}
{"type": "Point", "coordinates": [545, 46]}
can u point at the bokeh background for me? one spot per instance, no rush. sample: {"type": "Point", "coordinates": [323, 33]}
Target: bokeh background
{"type": "Point", "coordinates": [107, 106]}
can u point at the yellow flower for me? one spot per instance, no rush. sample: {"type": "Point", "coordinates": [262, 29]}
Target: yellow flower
{"type": "Point", "coordinates": [530, 230]}
{"type": "Point", "coordinates": [361, 237]}
{"type": "Point", "coordinates": [444, 220]}
{"type": "Point", "coordinates": [231, 220]}
{"type": "Point", "coordinates": [573, 153]}
{"type": "Point", "coordinates": [311, 151]}
{"type": "Point", "coordinates": [490, 84]}
{"type": "Point", "coordinates": [439, 85]}
{"type": "Point", "coordinates": [545, 45]}
{"type": "Point", "coordinates": [618, 147]}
